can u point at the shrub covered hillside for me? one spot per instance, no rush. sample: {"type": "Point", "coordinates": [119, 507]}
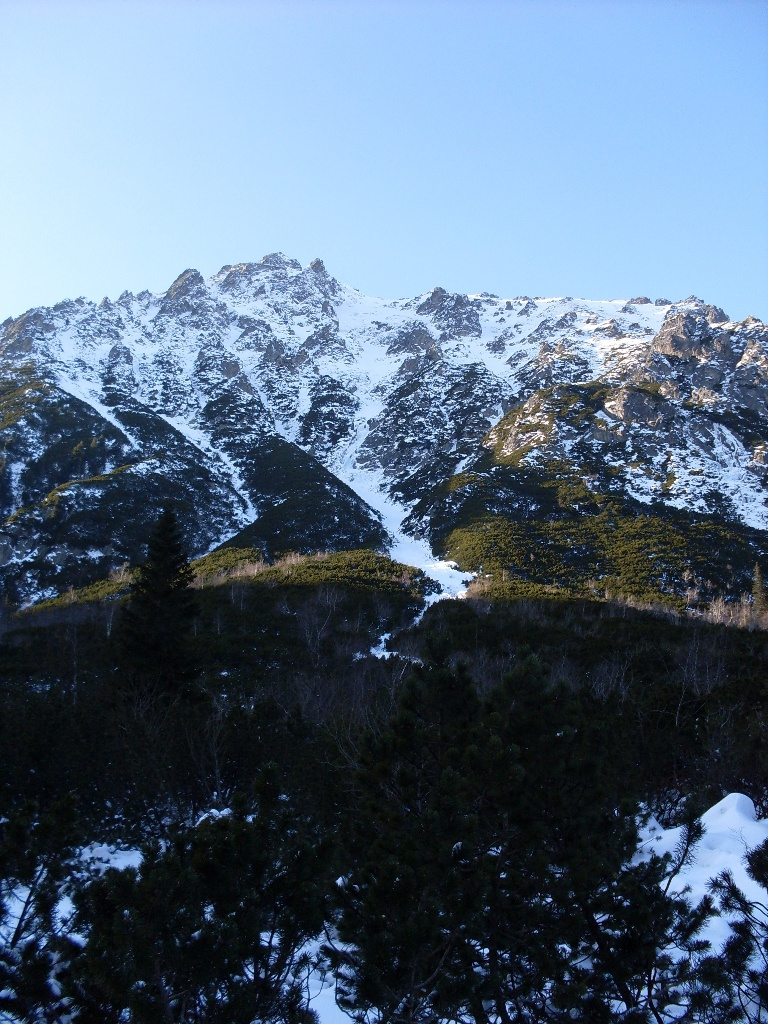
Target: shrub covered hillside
{"type": "Point", "coordinates": [224, 781]}
{"type": "Point", "coordinates": [552, 526]}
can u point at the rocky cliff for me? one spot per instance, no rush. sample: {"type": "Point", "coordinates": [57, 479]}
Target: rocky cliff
{"type": "Point", "coordinates": [277, 407]}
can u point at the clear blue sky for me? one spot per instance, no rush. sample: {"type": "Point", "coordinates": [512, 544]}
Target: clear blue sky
{"type": "Point", "coordinates": [598, 149]}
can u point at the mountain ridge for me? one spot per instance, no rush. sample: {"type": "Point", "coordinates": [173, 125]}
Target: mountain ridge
{"type": "Point", "coordinates": [271, 398]}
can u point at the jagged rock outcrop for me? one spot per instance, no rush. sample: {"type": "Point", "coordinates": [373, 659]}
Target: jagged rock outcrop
{"type": "Point", "coordinates": [272, 399]}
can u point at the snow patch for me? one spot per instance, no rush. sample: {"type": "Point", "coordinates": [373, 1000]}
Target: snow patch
{"type": "Point", "coordinates": [731, 831]}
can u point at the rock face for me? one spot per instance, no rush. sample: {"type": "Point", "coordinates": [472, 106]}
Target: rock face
{"type": "Point", "coordinates": [274, 404]}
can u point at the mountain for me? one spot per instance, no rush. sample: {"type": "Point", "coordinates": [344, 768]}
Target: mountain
{"type": "Point", "coordinates": [593, 445]}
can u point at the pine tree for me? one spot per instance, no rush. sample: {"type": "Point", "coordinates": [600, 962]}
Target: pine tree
{"type": "Point", "coordinates": [577, 927]}
{"type": "Point", "coordinates": [759, 599]}
{"type": "Point", "coordinates": [36, 852]}
{"type": "Point", "coordinates": [154, 635]}
{"type": "Point", "coordinates": [745, 955]}
{"type": "Point", "coordinates": [492, 872]}
{"type": "Point", "coordinates": [406, 894]}
{"type": "Point", "coordinates": [215, 926]}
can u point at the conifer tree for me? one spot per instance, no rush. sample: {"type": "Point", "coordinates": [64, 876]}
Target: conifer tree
{"type": "Point", "coordinates": [759, 599]}
{"type": "Point", "coordinates": [214, 927]}
{"type": "Point", "coordinates": [745, 955]}
{"type": "Point", "coordinates": [35, 856]}
{"type": "Point", "coordinates": [406, 895]}
{"type": "Point", "coordinates": [610, 940]}
{"type": "Point", "coordinates": [155, 630]}
{"type": "Point", "coordinates": [493, 875]}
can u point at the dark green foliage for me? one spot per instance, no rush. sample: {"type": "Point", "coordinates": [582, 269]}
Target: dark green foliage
{"type": "Point", "coordinates": [348, 568]}
{"type": "Point", "coordinates": [481, 816]}
{"type": "Point", "coordinates": [692, 701]}
{"type": "Point", "coordinates": [689, 700]}
{"type": "Point", "coordinates": [303, 506]}
{"type": "Point", "coordinates": [491, 872]}
{"type": "Point", "coordinates": [213, 928]}
{"type": "Point", "coordinates": [746, 953]}
{"type": "Point", "coordinates": [156, 626]}
{"type": "Point", "coordinates": [21, 391]}
{"type": "Point", "coordinates": [600, 928]}
{"type": "Point", "coordinates": [243, 566]}
{"type": "Point", "coordinates": [544, 528]}
{"type": "Point", "coordinates": [406, 895]}
{"type": "Point", "coordinates": [115, 586]}
{"type": "Point", "coordinates": [35, 862]}
{"type": "Point", "coordinates": [226, 561]}
{"type": "Point", "coordinates": [294, 637]}
{"type": "Point", "coordinates": [87, 488]}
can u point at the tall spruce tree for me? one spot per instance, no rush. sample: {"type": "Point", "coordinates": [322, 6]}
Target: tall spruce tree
{"type": "Point", "coordinates": [154, 635]}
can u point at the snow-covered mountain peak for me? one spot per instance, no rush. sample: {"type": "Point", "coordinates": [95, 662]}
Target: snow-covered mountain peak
{"type": "Point", "coordinates": [391, 397]}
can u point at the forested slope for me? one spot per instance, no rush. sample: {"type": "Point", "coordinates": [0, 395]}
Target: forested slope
{"type": "Point", "coordinates": [451, 830]}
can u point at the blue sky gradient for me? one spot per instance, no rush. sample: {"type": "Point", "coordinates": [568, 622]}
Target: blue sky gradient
{"type": "Point", "coordinates": [599, 149]}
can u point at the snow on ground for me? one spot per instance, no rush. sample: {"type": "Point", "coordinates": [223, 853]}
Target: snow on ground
{"type": "Point", "coordinates": [379, 650]}
{"type": "Point", "coordinates": [451, 579]}
{"type": "Point", "coordinates": [731, 831]}
{"type": "Point", "coordinates": [203, 443]}
{"type": "Point", "coordinates": [322, 999]}
{"type": "Point", "coordinates": [368, 485]}
{"type": "Point", "coordinates": [516, 335]}
{"type": "Point", "coordinates": [99, 857]}
{"type": "Point", "coordinates": [87, 396]}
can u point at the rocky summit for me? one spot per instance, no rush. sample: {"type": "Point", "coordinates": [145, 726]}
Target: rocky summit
{"type": "Point", "coordinates": [543, 442]}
